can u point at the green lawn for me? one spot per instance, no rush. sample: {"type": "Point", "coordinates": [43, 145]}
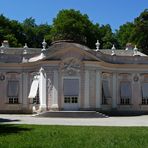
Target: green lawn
{"type": "Point", "coordinates": [26, 136]}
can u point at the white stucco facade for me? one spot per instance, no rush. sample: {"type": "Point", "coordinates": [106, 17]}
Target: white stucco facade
{"type": "Point", "coordinates": [72, 77]}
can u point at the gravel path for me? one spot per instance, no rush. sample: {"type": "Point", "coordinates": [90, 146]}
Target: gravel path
{"type": "Point", "coordinates": [110, 121]}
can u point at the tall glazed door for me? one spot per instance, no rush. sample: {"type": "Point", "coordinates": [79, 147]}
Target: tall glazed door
{"type": "Point", "coordinates": [71, 93]}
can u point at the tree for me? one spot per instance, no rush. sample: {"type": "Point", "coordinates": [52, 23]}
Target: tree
{"type": "Point", "coordinates": [13, 42]}
{"type": "Point", "coordinates": [29, 31]}
{"type": "Point", "coordinates": [11, 30]}
{"type": "Point", "coordinates": [107, 37]}
{"type": "Point", "coordinates": [124, 34]}
{"type": "Point", "coordinates": [140, 32]}
{"type": "Point", "coordinates": [4, 27]}
{"type": "Point", "coordinates": [72, 25]}
{"type": "Point", "coordinates": [17, 32]}
{"type": "Point", "coordinates": [34, 34]}
{"type": "Point", "coordinates": [135, 33]}
{"type": "Point", "coordinates": [43, 31]}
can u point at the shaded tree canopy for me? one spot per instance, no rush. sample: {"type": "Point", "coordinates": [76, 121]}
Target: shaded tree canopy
{"type": "Point", "coordinates": [135, 32]}
{"type": "Point", "coordinates": [27, 32]}
{"type": "Point", "coordinates": [124, 34]}
{"type": "Point", "coordinates": [34, 33]}
{"type": "Point", "coordinates": [140, 32]}
{"type": "Point", "coordinates": [72, 25]}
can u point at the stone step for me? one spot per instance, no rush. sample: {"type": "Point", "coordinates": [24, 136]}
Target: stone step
{"type": "Point", "coordinates": [72, 114]}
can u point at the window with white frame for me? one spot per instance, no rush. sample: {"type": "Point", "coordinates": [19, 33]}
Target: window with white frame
{"type": "Point", "coordinates": [13, 91]}
{"type": "Point", "coordinates": [71, 90]}
{"type": "Point", "coordinates": [125, 93]}
{"type": "Point", "coordinates": [145, 93]}
{"type": "Point", "coordinates": [105, 92]}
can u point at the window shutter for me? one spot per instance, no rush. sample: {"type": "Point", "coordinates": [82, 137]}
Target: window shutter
{"type": "Point", "coordinates": [34, 87]}
{"type": "Point", "coordinates": [125, 90]}
{"type": "Point", "coordinates": [13, 88]}
{"type": "Point", "coordinates": [145, 90]}
{"type": "Point", "coordinates": [106, 90]}
{"type": "Point", "coordinates": [71, 87]}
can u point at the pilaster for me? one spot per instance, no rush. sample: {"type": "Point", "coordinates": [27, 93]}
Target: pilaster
{"type": "Point", "coordinates": [98, 90]}
{"type": "Point", "coordinates": [25, 89]}
{"type": "Point", "coordinates": [114, 96]}
{"type": "Point", "coordinates": [86, 92]}
{"type": "Point", "coordinates": [55, 105]}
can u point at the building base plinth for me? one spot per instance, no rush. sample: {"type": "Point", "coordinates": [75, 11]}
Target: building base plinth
{"type": "Point", "coordinates": [54, 107]}
{"type": "Point", "coordinates": [42, 108]}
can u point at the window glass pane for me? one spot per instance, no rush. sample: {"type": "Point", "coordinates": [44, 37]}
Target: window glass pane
{"type": "Point", "coordinates": [13, 88]}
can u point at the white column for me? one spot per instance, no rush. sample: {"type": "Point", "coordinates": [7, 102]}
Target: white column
{"type": "Point", "coordinates": [98, 89]}
{"type": "Point", "coordinates": [114, 97]}
{"type": "Point", "coordinates": [42, 89]}
{"type": "Point", "coordinates": [86, 95]}
{"type": "Point", "coordinates": [55, 105]}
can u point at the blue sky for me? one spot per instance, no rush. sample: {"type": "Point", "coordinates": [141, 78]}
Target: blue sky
{"type": "Point", "coordinates": [113, 12]}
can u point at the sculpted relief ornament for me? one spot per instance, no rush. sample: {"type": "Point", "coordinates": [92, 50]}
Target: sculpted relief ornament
{"type": "Point", "coordinates": [70, 66]}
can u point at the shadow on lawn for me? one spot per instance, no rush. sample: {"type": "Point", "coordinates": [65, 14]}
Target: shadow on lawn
{"type": "Point", "coordinates": [7, 120]}
{"type": "Point", "coordinates": [6, 129]}
{"type": "Point", "coordinates": [125, 113]}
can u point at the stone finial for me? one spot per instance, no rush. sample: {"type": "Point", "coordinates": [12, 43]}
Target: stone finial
{"type": "Point", "coordinates": [2, 46]}
{"type": "Point", "coordinates": [2, 50]}
{"type": "Point", "coordinates": [97, 45]}
{"type": "Point", "coordinates": [113, 50]}
{"type": "Point", "coordinates": [6, 43]}
{"type": "Point", "coordinates": [44, 45]}
{"type": "Point", "coordinates": [135, 50]}
{"type": "Point", "coordinates": [25, 45]}
{"type": "Point", "coordinates": [25, 49]}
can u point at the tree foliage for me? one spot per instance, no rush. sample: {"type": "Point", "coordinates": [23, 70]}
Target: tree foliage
{"type": "Point", "coordinates": [19, 33]}
{"type": "Point", "coordinates": [140, 32]}
{"type": "Point", "coordinates": [124, 34]}
{"type": "Point", "coordinates": [34, 33]}
{"type": "Point", "coordinates": [135, 32]}
{"type": "Point", "coordinates": [72, 25]}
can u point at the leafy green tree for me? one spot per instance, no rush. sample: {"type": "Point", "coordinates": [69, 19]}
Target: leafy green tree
{"type": "Point", "coordinates": [43, 31]}
{"type": "Point", "coordinates": [29, 31]}
{"type": "Point", "coordinates": [17, 32]}
{"type": "Point", "coordinates": [135, 32]}
{"type": "Point", "coordinates": [140, 32]}
{"type": "Point", "coordinates": [4, 27]}
{"type": "Point", "coordinates": [34, 34]}
{"type": "Point", "coordinates": [124, 34]}
{"type": "Point", "coordinates": [11, 30]}
{"type": "Point", "coordinates": [13, 42]}
{"type": "Point", "coordinates": [108, 38]}
{"type": "Point", "coordinates": [72, 25]}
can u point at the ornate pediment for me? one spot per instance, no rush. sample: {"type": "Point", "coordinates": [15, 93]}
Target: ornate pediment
{"type": "Point", "coordinates": [62, 50]}
{"type": "Point", "coordinates": [70, 65]}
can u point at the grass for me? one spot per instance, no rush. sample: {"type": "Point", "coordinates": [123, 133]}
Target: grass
{"type": "Point", "coordinates": [36, 136]}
